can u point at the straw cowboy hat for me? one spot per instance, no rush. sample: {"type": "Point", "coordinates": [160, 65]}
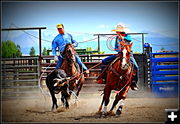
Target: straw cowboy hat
{"type": "Point", "coordinates": [120, 28]}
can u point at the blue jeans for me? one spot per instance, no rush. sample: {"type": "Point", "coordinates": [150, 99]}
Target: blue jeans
{"type": "Point", "coordinates": [109, 59]}
{"type": "Point", "coordinates": [60, 60]}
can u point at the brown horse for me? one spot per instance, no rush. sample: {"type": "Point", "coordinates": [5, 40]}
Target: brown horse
{"type": "Point", "coordinates": [119, 77]}
{"type": "Point", "coordinates": [72, 69]}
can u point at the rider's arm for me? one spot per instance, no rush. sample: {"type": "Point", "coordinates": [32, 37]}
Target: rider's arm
{"type": "Point", "coordinates": [117, 45]}
{"type": "Point", "coordinates": [54, 46]}
{"type": "Point", "coordinates": [75, 43]}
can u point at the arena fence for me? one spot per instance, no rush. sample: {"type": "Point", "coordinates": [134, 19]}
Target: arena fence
{"type": "Point", "coordinates": [25, 76]}
{"type": "Point", "coordinates": [19, 76]}
{"type": "Point", "coordinates": [48, 65]}
{"type": "Point", "coordinates": [164, 69]}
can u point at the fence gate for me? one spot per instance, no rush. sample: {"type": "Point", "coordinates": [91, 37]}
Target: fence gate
{"type": "Point", "coordinates": [19, 77]}
{"type": "Point", "coordinates": [164, 69]}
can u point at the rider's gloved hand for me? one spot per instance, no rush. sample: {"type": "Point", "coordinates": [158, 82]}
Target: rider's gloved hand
{"type": "Point", "coordinates": [73, 44]}
{"type": "Point", "coordinates": [87, 71]}
{"type": "Point", "coordinates": [55, 58]}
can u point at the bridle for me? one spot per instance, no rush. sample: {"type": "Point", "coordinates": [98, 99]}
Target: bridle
{"type": "Point", "coordinates": [120, 75]}
{"type": "Point", "coordinates": [72, 61]}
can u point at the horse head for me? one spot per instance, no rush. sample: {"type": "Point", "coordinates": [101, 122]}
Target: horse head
{"type": "Point", "coordinates": [125, 55]}
{"type": "Point", "coordinates": [70, 52]}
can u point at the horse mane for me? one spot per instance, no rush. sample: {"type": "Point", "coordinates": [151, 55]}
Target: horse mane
{"type": "Point", "coordinates": [67, 45]}
{"type": "Point", "coordinates": [64, 52]}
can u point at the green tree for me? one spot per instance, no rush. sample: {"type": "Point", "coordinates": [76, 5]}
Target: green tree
{"type": "Point", "coordinates": [94, 51]}
{"type": "Point", "coordinates": [32, 52]}
{"type": "Point", "coordinates": [89, 49]}
{"type": "Point", "coordinates": [102, 52]}
{"type": "Point", "coordinates": [162, 48]}
{"type": "Point", "coordinates": [9, 49]}
{"type": "Point", "coordinates": [45, 51]}
{"type": "Point", "coordinates": [18, 53]}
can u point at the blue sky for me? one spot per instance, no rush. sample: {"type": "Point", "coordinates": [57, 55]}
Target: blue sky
{"type": "Point", "coordinates": [82, 19]}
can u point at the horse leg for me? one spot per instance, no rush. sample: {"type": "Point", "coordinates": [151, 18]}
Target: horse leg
{"type": "Point", "coordinates": [119, 110]}
{"type": "Point", "coordinates": [114, 104]}
{"type": "Point", "coordinates": [119, 99]}
{"type": "Point", "coordinates": [100, 107]}
{"type": "Point", "coordinates": [54, 100]}
{"type": "Point", "coordinates": [122, 97]}
{"type": "Point", "coordinates": [107, 92]}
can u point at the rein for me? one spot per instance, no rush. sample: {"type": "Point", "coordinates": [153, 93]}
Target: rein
{"type": "Point", "coordinates": [77, 70]}
{"type": "Point", "coordinates": [119, 75]}
{"type": "Point", "coordinates": [111, 68]}
{"type": "Point", "coordinates": [84, 71]}
{"type": "Point", "coordinates": [80, 75]}
{"type": "Point", "coordinates": [127, 81]}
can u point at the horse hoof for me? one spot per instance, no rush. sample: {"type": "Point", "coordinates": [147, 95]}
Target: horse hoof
{"type": "Point", "coordinates": [98, 112]}
{"type": "Point", "coordinates": [111, 113]}
{"type": "Point", "coordinates": [104, 114]}
{"type": "Point", "coordinates": [54, 110]}
{"type": "Point", "coordinates": [75, 104]}
{"type": "Point", "coordinates": [118, 112]}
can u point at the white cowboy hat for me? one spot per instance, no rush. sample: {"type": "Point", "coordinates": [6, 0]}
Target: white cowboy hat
{"type": "Point", "coordinates": [120, 28]}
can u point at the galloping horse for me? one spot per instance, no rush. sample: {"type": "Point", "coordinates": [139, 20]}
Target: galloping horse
{"type": "Point", "coordinates": [64, 84]}
{"type": "Point", "coordinates": [119, 77]}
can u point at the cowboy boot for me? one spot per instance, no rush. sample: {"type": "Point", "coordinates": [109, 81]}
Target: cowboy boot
{"type": "Point", "coordinates": [134, 82]}
{"type": "Point", "coordinates": [134, 85]}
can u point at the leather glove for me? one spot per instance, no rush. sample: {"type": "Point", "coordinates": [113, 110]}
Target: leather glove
{"type": "Point", "coordinates": [55, 58]}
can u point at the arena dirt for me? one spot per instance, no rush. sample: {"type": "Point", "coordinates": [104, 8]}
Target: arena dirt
{"type": "Point", "coordinates": [141, 109]}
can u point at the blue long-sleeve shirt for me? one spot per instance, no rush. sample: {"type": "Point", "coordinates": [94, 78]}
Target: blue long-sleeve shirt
{"type": "Point", "coordinates": [127, 38]}
{"type": "Point", "coordinates": [60, 41]}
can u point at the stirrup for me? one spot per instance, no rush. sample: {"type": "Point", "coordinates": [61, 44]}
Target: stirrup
{"type": "Point", "coordinates": [134, 86]}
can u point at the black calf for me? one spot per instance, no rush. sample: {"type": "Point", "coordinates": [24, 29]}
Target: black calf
{"type": "Point", "coordinates": [57, 76]}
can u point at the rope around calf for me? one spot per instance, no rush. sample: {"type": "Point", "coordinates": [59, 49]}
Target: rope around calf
{"type": "Point", "coordinates": [76, 97]}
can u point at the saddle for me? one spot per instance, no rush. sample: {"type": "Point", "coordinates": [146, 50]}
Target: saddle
{"type": "Point", "coordinates": [101, 78]}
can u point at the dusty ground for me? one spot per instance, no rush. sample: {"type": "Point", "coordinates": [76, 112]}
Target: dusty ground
{"type": "Point", "coordinates": [39, 110]}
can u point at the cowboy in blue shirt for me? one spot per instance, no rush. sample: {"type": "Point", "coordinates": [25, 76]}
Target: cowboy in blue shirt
{"type": "Point", "coordinates": [121, 35]}
{"type": "Point", "coordinates": [60, 42]}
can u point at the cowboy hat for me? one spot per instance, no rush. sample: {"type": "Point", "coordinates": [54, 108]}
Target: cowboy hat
{"type": "Point", "coordinates": [60, 26]}
{"type": "Point", "coordinates": [119, 28]}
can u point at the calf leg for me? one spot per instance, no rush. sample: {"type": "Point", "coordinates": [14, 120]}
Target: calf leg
{"type": "Point", "coordinates": [64, 98]}
{"type": "Point", "coordinates": [54, 100]}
